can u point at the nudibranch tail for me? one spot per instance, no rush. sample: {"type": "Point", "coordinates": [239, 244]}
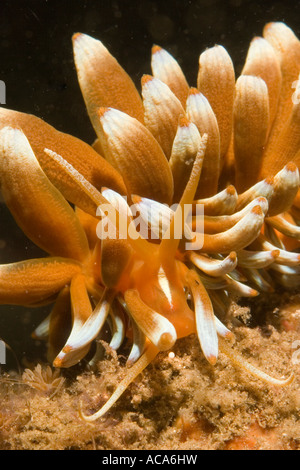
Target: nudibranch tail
{"type": "Point", "coordinates": [131, 374]}
{"type": "Point", "coordinates": [240, 362]}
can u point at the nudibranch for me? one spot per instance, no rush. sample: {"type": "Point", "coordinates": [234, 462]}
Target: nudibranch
{"type": "Point", "coordinates": [230, 146]}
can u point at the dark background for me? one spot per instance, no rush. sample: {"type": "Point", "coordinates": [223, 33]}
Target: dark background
{"type": "Point", "coordinates": [36, 50]}
{"type": "Point", "coordinates": [36, 64]}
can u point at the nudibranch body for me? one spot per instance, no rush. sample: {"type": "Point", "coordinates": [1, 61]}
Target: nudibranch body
{"type": "Point", "coordinates": [229, 146]}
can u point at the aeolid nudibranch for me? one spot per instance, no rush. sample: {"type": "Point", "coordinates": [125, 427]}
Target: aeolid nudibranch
{"type": "Point", "coordinates": [229, 145]}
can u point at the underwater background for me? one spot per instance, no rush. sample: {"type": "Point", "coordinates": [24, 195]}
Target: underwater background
{"type": "Point", "coordinates": [38, 70]}
{"type": "Point", "coordinates": [179, 402]}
